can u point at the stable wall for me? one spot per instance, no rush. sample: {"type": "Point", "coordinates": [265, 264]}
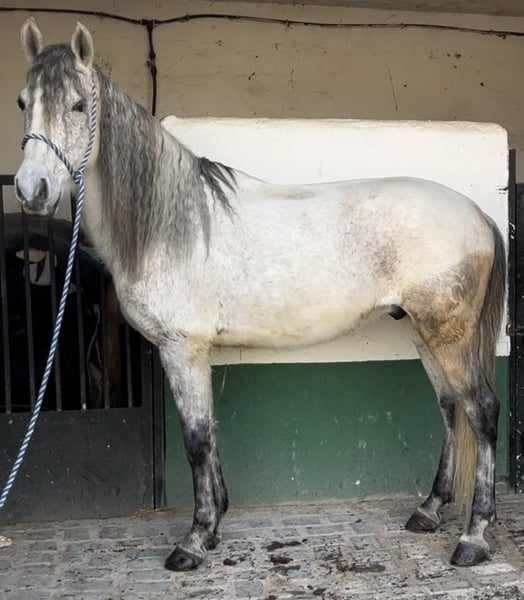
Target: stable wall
{"type": "Point", "coordinates": [246, 69]}
{"type": "Point", "coordinates": [314, 431]}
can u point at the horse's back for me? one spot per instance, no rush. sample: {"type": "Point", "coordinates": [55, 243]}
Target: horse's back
{"type": "Point", "coordinates": [403, 219]}
{"type": "Point", "coordinates": [389, 195]}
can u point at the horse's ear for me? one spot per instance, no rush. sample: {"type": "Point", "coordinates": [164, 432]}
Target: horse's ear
{"type": "Point", "coordinates": [31, 38]}
{"type": "Point", "coordinates": [82, 45]}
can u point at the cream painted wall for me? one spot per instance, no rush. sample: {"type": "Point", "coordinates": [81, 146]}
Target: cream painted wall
{"type": "Point", "coordinates": [245, 69]}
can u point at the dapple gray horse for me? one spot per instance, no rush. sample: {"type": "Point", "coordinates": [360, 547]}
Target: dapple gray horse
{"type": "Point", "coordinates": [203, 255]}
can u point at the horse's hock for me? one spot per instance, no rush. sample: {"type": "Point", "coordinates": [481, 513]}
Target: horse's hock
{"type": "Point", "coordinates": [98, 369]}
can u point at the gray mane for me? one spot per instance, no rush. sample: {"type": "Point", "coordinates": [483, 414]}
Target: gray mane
{"type": "Point", "coordinates": [153, 187]}
{"type": "Point", "coordinates": [216, 175]}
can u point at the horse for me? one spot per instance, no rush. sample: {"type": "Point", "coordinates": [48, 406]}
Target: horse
{"type": "Point", "coordinates": [204, 255]}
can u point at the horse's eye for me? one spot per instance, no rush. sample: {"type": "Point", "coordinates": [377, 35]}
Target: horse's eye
{"type": "Point", "coordinates": [78, 106]}
{"type": "Point", "coordinates": [21, 103]}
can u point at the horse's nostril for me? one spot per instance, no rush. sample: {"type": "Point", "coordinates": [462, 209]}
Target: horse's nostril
{"type": "Point", "coordinates": [42, 191]}
{"type": "Point", "coordinates": [19, 193]}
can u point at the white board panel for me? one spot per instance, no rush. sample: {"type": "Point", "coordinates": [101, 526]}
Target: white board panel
{"type": "Point", "coordinates": [469, 157]}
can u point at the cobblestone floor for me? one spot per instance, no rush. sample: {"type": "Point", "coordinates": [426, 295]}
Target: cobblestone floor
{"type": "Point", "coordinates": [354, 550]}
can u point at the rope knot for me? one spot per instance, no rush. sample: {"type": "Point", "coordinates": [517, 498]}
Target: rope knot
{"type": "Point", "coordinates": [77, 177]}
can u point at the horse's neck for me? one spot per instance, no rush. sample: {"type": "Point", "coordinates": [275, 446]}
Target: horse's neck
{"type": "Point", "coordinates": [98, 229]}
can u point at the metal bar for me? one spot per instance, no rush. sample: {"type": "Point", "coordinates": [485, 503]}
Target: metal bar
{"type": "Point", "coordinates": [129, 377]}
{"type": "Point", "coordinates": [29, 314]}
{"type": "Point", "coordinates": [54, 308]}
{"type": "Point", "coordinates": [516, 308]}
{"type": "Point", "coordinates": [5, 312]}
{"type": "Point", "coordinates": [145, 408]}
{"type": "Point", "coordinates": [82, 363]}
{"type": "Point", "coordinates": [158, 433]}
{"type": "Point", "coordinates": [146, 374]}
{"type": "Point", "coordinates": [513, 370]}
{"type": "Point", "coordinates": [105, 344]}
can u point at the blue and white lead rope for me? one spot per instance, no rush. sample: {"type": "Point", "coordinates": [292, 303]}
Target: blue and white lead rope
{"type": "Point", "coordinates": [78, 178]}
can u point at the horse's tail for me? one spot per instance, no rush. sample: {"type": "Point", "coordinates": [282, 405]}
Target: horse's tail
{"type": "Point", "coordinates": [491, 316]}
{"type": "Point", "coordinates": [490, 321]}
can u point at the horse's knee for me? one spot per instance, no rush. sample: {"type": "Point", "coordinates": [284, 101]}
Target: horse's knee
{"type": "Point", "coordinates": [198, 442]}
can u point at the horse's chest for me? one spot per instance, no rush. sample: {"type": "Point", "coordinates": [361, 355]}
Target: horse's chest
{"type": "Point", "coordinates": [139, 313]}
{"type": "Point", "coordinates": [161, 309]}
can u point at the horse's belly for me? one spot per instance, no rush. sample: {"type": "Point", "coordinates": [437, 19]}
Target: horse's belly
{"type": "Point", "coordinates": [270, 328]}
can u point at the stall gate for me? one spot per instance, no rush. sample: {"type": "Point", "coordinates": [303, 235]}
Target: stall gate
{"type": "Point", "coordinates": [98, 446]}
{"type": "Point", "coordinates": [516, 333]}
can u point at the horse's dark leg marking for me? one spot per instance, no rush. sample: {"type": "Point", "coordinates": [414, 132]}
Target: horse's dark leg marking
{"type": "Point", "coordinates": [189, 375]}
{"type": "Point", "coordinates": [482, 410]}
{"type": "Point", "coordinates": [427, 516]}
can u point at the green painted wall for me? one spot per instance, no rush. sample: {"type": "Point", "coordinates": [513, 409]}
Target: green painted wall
{"type": "Point", "coordinates": [292, 432]}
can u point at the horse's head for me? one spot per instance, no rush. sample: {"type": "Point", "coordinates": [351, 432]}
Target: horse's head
{"type": "Point", "coordinates": [56, 102]}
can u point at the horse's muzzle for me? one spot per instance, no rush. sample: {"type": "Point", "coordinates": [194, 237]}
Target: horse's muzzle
{"type": "Point", "coordinates": [35, 197]}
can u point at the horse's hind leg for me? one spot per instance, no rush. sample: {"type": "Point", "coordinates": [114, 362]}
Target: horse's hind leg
{"type": "Point", "coordinates": [188, 370]}
{"type": "Point", "coordinates": [472, 414]}
{"type": "Point", "coordinates": [427, 516]}
{"type": "Point", "coordinates": [481, 410]}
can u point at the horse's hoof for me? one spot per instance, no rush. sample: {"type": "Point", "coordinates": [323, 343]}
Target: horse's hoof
{"type": "Point", "coordinates": [183, 560]}
{"type": "Point", "coordinates": [467, 554]}
{"type": "Point", "coordinates": [420, 521]}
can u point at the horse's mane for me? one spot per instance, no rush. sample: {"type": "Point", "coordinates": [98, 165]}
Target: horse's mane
{"type": "Point", "coordinates": [153, 187]}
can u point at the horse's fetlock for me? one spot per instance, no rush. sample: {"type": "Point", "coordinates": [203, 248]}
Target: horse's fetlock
{"type": "Point", "coordinates": [223, 502]}
{"type": "Point", "coordinates": [205, 519]}
{"type": "Point", "coordinates": [446, 497]}
{"type": "Point", "coordinates": [220, 497]}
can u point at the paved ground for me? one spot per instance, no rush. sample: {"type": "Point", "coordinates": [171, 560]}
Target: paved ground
{"type": "Point", "coordinates": [354, 550]}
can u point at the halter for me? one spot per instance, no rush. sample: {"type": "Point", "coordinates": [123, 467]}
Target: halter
{"type": "Point", "coordinates": [78, 177]}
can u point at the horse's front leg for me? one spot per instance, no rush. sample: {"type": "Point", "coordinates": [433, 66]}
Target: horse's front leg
{"type": "Point", "coordinates": [187, 367]}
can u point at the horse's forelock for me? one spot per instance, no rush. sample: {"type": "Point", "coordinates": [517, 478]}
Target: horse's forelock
{"type": "Point", "coordinates": [54, 72]}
